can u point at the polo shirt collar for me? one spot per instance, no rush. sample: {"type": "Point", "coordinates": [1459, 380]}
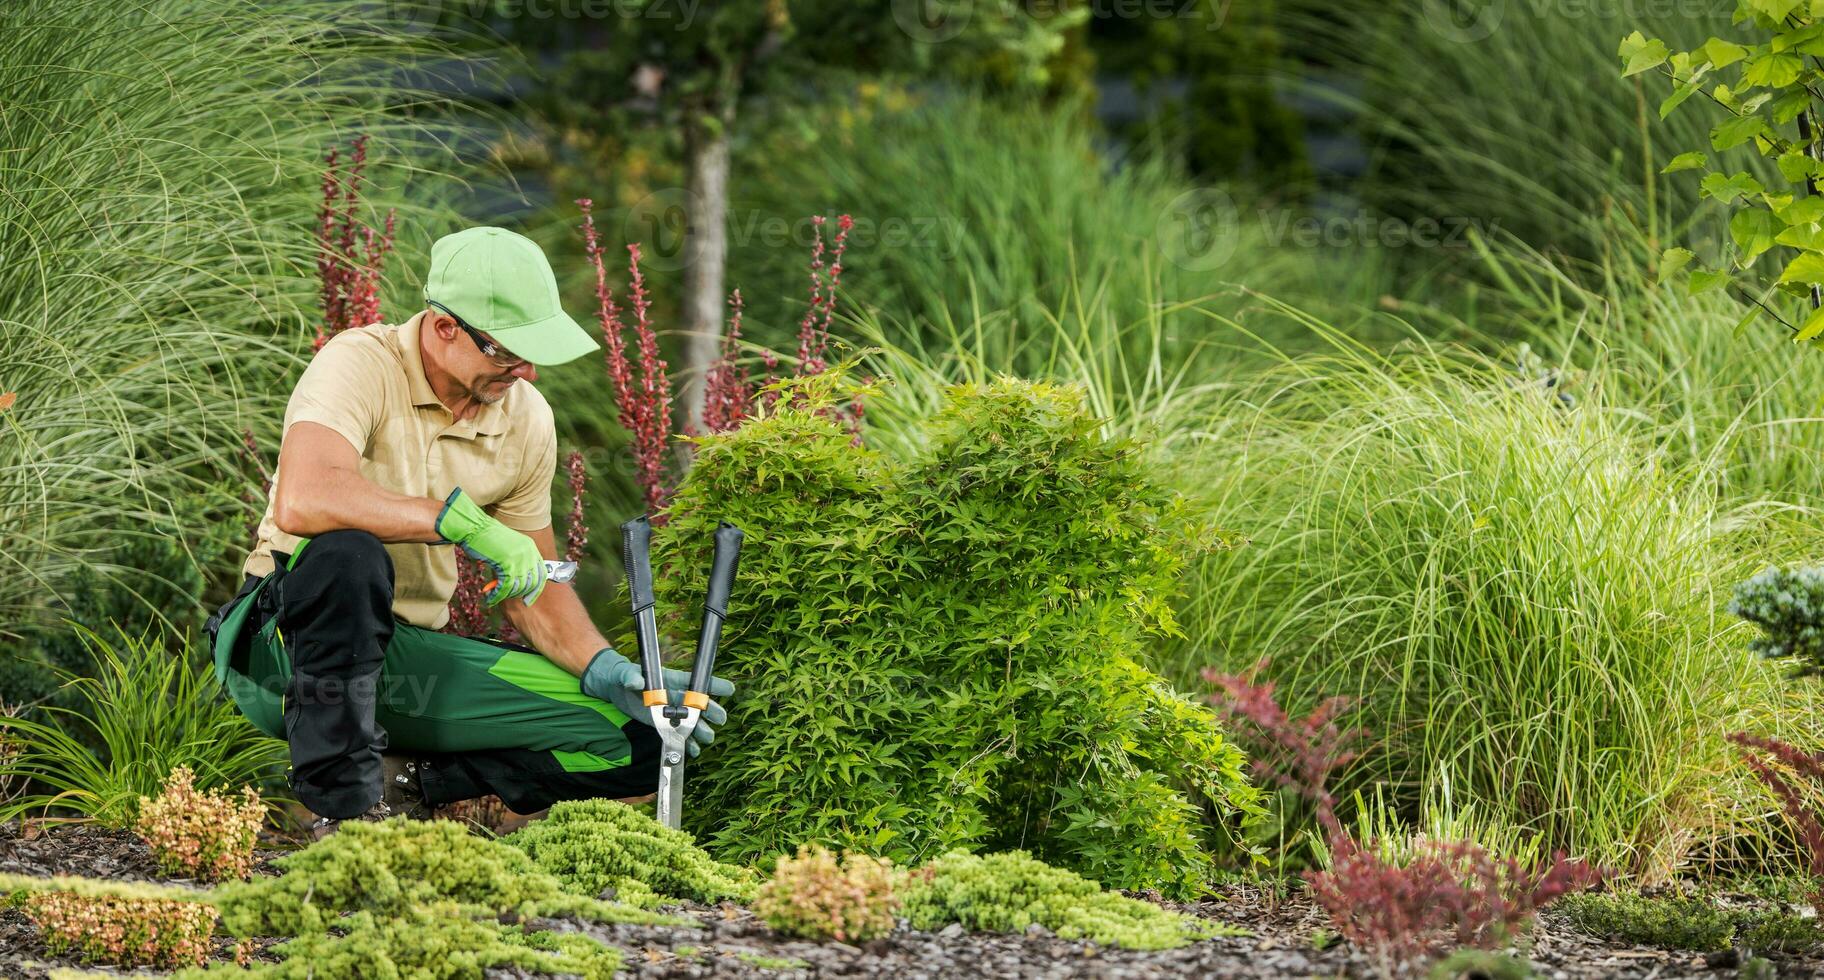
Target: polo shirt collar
{"type": "Point", "coordinates": [490, 421]}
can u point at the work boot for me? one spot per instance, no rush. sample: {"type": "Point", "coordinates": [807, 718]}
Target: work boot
{"type": "Point", "coordinates": [401, 788]}
{"type": "Point", "coordinates": [324, 826]}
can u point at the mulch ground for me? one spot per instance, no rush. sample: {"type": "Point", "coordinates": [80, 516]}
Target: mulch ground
{"type": "Point", "coordinates": [1283, 941]}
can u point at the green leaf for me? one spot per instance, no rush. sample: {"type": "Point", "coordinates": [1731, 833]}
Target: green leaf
{"type": "Point", "coordinates": [1704, 280]}
{"type": "Point", "coordinates": [1721, 53]}
{"type": "Point", "coordinates": [1806, 267]}
{"type": "Point", "coordinates": [1812, 328]}
{"type": "Point", "coordinates": [1774, 9]}
{"type": "Point", "coordinates": [1806, 40]}
{"type": "Point", "coordinates": [1806, 237]}
{"type": "Point", "coordinates": [1727, 189]}
{"type": "Point", "coordinates": [1684, 161]}
{"type": "Point", "coordinates": [1677, 98]}
{"type": "Point", "coordinates": [1787, 107]}
{"type": "Point", "coordinates": [1736, 130]}
{"type": "Point", "coordinates": [1795, 165]}
{"type": "Point", "coordinates": [1639, 54]}
{"type": "Point", "coordinates": [1754, 230]}
{"type": "Point", "coordinates": [1672, 260]}
{"type": "Point", "coordinates": [1774, 69]}
{"type": "Point", "coordinates": [1804, 211]}
{"type": "Point", "coordinates": [1741, 326]}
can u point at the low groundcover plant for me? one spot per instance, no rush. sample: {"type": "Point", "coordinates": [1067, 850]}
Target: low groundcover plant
{"type": "Point", "coordinates": [592, 846]}
{"type": "Point", "coordinates": [123, 931]}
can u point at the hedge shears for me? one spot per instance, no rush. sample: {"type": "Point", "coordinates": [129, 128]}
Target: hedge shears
{"type": "Point", "coordinates": [674, 722]}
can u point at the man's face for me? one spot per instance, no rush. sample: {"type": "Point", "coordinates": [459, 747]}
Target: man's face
{"type": "Point", "coordinates": [485, 376]}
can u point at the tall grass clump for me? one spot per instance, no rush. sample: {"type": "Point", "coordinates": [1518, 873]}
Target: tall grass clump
{"type": "Point", "coordinates": [148, 710]}
{"type": "Point", "coordinates": [1525, 598]}
{"type": "Point", "coordinates": [157, 288]}
{"type": "Point", "coordinates": [969, 209]}
{"type": "Point", "coordinates": [1514, 114]}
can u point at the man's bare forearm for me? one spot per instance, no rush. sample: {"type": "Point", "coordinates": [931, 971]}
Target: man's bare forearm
{"type": "Point", "coordinates": [341, 499]}
{"type": "Point", "coordinates": [320, 488]}
{"type": "Point", "coordinates": [558, 626]}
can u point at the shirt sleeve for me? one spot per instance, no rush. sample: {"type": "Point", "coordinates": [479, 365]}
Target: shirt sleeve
{"type": "Point", "coordinates": [527, 507]}
{"type": "Point", "coordinates": [342, 388]}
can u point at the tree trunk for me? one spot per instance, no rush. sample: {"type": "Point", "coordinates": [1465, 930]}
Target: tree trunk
{"type": "Point", "coordinates": [705, 260]}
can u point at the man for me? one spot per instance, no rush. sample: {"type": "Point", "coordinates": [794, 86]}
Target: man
{"type": "Point", "coordinates": [401, 443]}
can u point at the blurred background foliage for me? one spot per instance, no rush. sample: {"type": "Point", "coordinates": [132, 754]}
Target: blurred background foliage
{"type": "Point", "coordinates": [1318, 256]}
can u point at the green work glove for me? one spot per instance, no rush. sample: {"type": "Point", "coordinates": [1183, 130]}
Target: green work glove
{"type": "Point", "coordinates": [617, 680]}
{"type": "Point", "coordinates": [512, 557]}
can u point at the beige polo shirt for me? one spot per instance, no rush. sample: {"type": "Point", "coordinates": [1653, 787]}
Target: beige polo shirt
{"type": "Point", "coordinates": [368, 384]}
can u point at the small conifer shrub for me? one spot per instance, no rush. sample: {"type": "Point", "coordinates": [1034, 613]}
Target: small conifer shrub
{"type": "Point", "coordinates": [202, 833]}
{"type": "Point", "coordinates": [1010, 891]}
{"type": "Point", "coordinates": [817, 895]}
{"type": "Point", "coordinates": [595, 845]}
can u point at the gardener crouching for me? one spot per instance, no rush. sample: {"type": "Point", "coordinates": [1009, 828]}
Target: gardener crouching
{"type": "Point", "coordinates": [401, 441]}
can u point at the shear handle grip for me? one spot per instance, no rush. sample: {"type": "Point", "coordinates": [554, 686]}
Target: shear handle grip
{"type": "Point", "coordinates": [636, 558]}
{"type": "Point", "coordinates": [715, 611]}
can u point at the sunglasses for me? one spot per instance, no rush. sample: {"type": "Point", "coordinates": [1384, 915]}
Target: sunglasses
{"type": "Point", "coordinates": [494, 352]}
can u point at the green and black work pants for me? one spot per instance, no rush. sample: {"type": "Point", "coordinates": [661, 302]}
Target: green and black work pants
{"type": "Point", "coordinates": [313, 654]}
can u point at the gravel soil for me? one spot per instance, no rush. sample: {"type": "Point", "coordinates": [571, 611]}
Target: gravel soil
{"type": "Point", "coordinates": [1285, 932]}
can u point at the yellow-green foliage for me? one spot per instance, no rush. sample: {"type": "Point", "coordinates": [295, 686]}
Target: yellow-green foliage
{"type": "Point", "coordinates": [390, 867]}
{"type": "Point", "coordinates": [121, 931]}
{"type": "Point", "coordinates": [817, 896]}
{"type": "Point", "coordinates": [430, 942]}
{"type": "Point", "coordinates": [202, 833]}
{"type": "Point", "coordinates": [948, 648]}
{"type": "Point", "coordinates": [592, 845]}
{"type": "Point", "coordinates": [1008, 892]}
{"type": "Point", "coordinates": [14, 884]}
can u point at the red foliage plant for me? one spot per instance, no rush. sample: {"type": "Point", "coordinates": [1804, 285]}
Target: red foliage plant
{"type": "Point", "coordinates": [1770, 759]}
{"type": "Point", "coordinates": [1449, 893]}
{"type": "Point", "coordinates": [642, 398]}
{"type": "Point", "coordinates": [350, 254]}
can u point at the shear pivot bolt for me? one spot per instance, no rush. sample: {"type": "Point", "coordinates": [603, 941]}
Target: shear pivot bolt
{"type": "Point", "coordinates": [673, 758]}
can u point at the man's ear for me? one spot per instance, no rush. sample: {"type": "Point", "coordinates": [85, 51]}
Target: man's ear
{"type": "Point", "coordinates": [443, 323]}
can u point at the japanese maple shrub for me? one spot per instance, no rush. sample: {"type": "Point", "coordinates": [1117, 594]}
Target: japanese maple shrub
{"type": "Point", "coordinates": [944, 649]}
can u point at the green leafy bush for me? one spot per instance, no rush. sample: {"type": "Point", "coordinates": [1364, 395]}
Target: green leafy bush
{"type": "Point", "coordinates": [1687, 922]}
{"type": "Point", "coordinates": [817, 895]}
{"type": "Point", "coordinates": [1009, 891]}
{"type": "Point", "coordinates": [593, 845]}
{"type": "Point", "coordinates": [944, 649]}
{"type": "Point", "coordinates": [388, 868]}
{"type": "Point", "coordinates": [150, 709]}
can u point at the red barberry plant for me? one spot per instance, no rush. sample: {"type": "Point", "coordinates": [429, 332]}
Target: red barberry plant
{"type": "Point", "coordinates": [642, 398]}
{"type": "Point", "coordinates": [642, 404]}
{"type": "Point", "coordinates": [576, 533]}
{"type": "Point", "coordinates": [1450, 894]}
{"type": "Point", "coordinates": [727, 395]}
{"type": "Point", "coordinates": [350, 253]}
{"type": "Point", "coordinates": [817, 895]}
{"type": "Point", "coordinates": [1778, 766]}
{"type": "Point", "coordinates": [157, 932]}
{"type": "Point", "coordinates": [200, 832]}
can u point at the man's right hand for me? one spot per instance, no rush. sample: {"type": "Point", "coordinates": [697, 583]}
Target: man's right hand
{"type": "Point", "coordinates": [511, 555]}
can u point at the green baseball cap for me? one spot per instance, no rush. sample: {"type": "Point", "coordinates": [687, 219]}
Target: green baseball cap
{"type": "Point", "coordinates": [499, 283]}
